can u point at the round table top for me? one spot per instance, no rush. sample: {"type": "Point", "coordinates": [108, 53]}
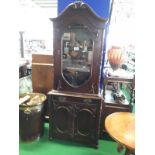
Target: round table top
{"type": "Point", "coordinates": [121, 127]}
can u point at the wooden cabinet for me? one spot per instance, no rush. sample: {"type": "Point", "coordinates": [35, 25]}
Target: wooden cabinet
{"type": "Point", "coordinates": [74, 117]}
{"type": "Point", "coordinates": [75, 102]}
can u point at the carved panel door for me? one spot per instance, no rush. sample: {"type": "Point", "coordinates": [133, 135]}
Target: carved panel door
{"type": "Point", "coordinates": [86, 123]}
{"type": "Point", "coordinates": [62, 122]}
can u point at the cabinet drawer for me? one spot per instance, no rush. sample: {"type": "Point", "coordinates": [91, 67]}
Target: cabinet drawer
{"type": "Point", "coordinates": [75, 99]}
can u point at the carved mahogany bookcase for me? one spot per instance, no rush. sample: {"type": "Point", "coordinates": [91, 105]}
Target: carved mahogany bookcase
{"type": "Point", "coordinates": [75, 103]}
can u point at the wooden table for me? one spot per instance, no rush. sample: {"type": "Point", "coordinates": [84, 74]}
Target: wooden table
{"type": "Point", "coordinates": [121, 127]}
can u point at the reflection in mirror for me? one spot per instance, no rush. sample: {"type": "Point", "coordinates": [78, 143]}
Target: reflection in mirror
{"type": "Point", "coordinates": [76, 55]}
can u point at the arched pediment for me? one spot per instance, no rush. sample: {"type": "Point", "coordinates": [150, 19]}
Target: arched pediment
{"type": "Point", "coordinates": [78, 5]}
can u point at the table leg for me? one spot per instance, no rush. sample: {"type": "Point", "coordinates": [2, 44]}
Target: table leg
{"type": "Point", "coordinates": [120, 148]}
{"type": "Point", "coordinates": [129, 152]}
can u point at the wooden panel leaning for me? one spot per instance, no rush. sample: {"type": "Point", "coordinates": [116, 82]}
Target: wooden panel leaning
{"type": "Point", "coordinates": [42, 76]}
{"type": "Point", "coordinates": [42, 73]}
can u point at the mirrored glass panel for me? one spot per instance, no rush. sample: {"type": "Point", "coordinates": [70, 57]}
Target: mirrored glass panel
{"type": "Point", "coordinates": [77, 53]}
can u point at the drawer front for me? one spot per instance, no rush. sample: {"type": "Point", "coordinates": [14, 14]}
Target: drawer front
{"type": "Point", "coordinates": [77, 103]}
{"type": "Point", "coordinates": [73, 99]}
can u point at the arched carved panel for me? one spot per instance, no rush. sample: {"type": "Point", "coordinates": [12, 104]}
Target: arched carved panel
{"type": "Point", "coordinates": [62, 116]}
{"type": "Point", "coordinates": [85, 122]}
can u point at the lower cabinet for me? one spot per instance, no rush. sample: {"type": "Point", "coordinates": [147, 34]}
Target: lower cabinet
{"type": "Point", "coordinates": [74, 117]}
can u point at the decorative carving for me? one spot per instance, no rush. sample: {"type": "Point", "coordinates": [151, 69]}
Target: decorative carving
{"type": "Point", "coordinates": [62, 126]}
{"type": "Point", "coordinates": [78, 5]}
{"type": "Point", "coordinates": [92, 90]}
{"type": "Point", "coordinates": [74, 119]}
{"type": "Point", "coordinates": [87, 100]}
{"type": "Point", "coordinates": [61, 98]}
{"type": "Point", "coordinates": [83, 128]}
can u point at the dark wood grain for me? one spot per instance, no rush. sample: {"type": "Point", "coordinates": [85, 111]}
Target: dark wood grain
{"type": "Point", "coordinates": [42, 73]}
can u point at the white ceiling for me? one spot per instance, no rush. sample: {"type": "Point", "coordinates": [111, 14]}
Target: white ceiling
{"type": "Point", "coordinates": [40, 3]}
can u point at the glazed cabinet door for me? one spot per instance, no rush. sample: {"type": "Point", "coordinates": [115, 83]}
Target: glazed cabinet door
{"type": "Point", "coordinates": [78, 44]}
{"type": "Point", "coordinates": [61, 118]}
{"type": "Point", "coordinates": [76, 56]}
